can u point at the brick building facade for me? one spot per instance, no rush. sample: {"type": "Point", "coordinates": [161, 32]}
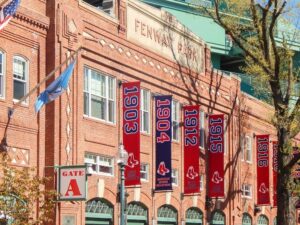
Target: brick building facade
{"type": "Point", "coordinates": [85, 124]}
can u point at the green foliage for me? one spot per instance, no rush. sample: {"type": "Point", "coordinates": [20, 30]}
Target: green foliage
{"type": "Point", "coordinates": [21, 193]}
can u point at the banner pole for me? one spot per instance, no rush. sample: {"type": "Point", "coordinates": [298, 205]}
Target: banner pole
{"type": "Point", "coordinates": [43, 81]}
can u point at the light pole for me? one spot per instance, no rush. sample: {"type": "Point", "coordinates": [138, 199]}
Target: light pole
{"type": "Point", "coordinates": [122, 161]}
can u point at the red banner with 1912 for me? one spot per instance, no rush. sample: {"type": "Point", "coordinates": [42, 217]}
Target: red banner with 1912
{"type": "Point", "coordinates": [275, 171]}
{"type": "Point", "coordinates": [131, 131]}
{"type": "Point", "coordinates": [191, 149]}
{"type": "Point", "coordinates": [216, 156]}
{"type": "Point", "coordinates": [262, 155]}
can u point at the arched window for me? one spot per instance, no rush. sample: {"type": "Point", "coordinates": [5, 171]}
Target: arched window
{"type": "Point", "coordinates": [246, 219]}
{"type": "Point", "coordinates": [99, 211]}
{"type": "Point", "coordinates": [2, 74]}
{"type": "Point", "coordinates": [262, 220]}
{"type": "Point", "coordinates": [218, 218]}
{"type": "Point", "coordinates": [194, 216]}
{"type": "Point", "coordinates": [137, 213]}
{"type": "Point", "coordinates": [20, 76]}
{"type": "Point", "coordinates": [167, 213]}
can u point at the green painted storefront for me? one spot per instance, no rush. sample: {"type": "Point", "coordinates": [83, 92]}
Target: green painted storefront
{"type": "Point", "coordinates": [262, 220]}
{"type": "Point", "coordinates": [217, 218]}
{"type": "Point", "coordinates": [99, 211]}
{"type": "Point", "coordinates": [247, 220]}
{"type": "Point", "coordinates": [167, 215]}
{"type": "Point", "coordinates": [194, 216]}
{"type": "Point", "coordinates": [137, 214]}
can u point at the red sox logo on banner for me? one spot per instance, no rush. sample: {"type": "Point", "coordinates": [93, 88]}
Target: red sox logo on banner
{"type": "Point", "coordinates": [216, 155]}
{"type": "Point", "coordinates": [131, 131]}
{"type": "Point", "coordinates": [262, 146]}
{"type": "Point", "coordinates": [275, 169]}
{"type": "Point", "coordinates": [191, 149]}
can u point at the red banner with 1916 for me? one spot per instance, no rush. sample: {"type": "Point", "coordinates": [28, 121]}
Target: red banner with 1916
{"type": "Point", "coordinates": [216, 156]}
{"type": "Point", "coordinates": [262, 155]}
{"type": "Point", "coordinates": [131, 131]}
{"type": "Point", "coordinates": [275, 170]}
{"type": "Point", "coordinates": [191, 149]}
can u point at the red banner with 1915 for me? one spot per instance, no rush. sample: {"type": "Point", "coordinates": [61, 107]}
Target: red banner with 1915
{"type": "Point", "coordinates": [262, 155]}
{"type": "Point", "coordinates": [216, 156]}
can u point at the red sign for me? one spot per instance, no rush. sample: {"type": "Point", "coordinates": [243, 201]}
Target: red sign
{"type": "Point", "coordinates": [275, 169]}
{"type": "Point", "coordinates": [131, 131]}
{"type": "Point", "coordinates": [191, 149]}
{"type": "Point", "coordinates": [216, 155]}
{"type": "Point", "coordinates": [262, 155]}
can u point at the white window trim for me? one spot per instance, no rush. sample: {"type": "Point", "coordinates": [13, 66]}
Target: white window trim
{"type": "Point", "coordinates": [202, 181]}
{"type": "Point", "coordinates": [98, 164]}
{"type": "Point", "coordinates": [142, 103]}
{"type": "Point", "coordinates": [107, 90]}
{"type": "Point", "coordinates": [3, 74]}
{"type": "Point", "coordinates": [246, 149]}
{"type": "Point", "coordinates": [242, 146]}
{"type": "Point", "coordinates": [178, 106]}
{"type": "Point", "coordinates": [176, 175]}
{"type": "Point", "coordinates": [202, 126]}
{"type": "Point", "coordinates": [22, 58]}
{"type": "Point", "coordinates": [147, 172]}
{"type": "Point", "coordinates": [243, 190]}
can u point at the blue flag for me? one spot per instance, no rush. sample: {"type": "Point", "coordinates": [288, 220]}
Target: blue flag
{"type": "Point", "coordinates": [55, 89]}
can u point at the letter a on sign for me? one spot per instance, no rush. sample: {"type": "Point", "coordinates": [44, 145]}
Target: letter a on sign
{"type": "Point", "coordinates": [72, 183]}
{"type": "Point", "coordinates": [73, 188]}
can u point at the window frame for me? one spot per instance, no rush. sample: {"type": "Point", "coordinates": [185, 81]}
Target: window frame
{"type": "Point", "coordinates": [176, 105]}
{"type": "Point", "coordinates": [242, 146]}
{"type": "Point", "coordinates": [146, 172]}
{"type": "Point", "coordinates": [202, 129]}
{"type": "Point", "coordinates": [243, 191]}
{"type": "Point", "coordinates": [143, 91]}
{"type": "Point", "coordinates": [111, 16]}
{"type": "Point", "coordinates": [106, 97]}
{"type": "Point", "coordinates": [248, 137]}
{"type": "Point", "coordinates": [3, 75]}
{"type": "Point", "coordinates": [97, 163]}
{"type": "Point", "coordinates": [26, 75]}
{"type": "Point", "coordinates": [201, 182]}
{"type": "Point", "coordinates": [175, 176]}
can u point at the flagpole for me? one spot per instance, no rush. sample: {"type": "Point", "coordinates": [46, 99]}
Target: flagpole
{"type": "Point", "coordinates": [44, 80]}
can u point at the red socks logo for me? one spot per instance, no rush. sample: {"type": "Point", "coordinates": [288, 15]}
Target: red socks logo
{"type": "Point", "coordinates": [191, 173]}
{"type": "Point", "coordinates": [216, 178]}
{"type": "Point", "coordinates": [263, 189]}
{"type": "Point", "coordinates": [162, 170]}
{"type": "Point", "coordinates": [131, 162]}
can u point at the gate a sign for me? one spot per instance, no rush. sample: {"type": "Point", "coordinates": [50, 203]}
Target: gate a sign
{"type": "Point", "coordinates": [72, 183]}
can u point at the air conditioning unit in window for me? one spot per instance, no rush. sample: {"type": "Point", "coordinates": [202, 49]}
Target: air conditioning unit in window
{"type": "Point", "coordinates": [108, 6]}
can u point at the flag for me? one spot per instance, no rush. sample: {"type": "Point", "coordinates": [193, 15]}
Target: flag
{"type": "Point", "coordinates": [7, 12]}
{"type": "Point", "coordinates": [55, 89]}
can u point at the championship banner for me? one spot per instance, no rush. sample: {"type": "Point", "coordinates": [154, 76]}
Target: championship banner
{"type": "Point", "coordinates": [275, 170]}
{"type": "Point", "coordinates": [131, 131]}
{"type": "Point", "coordinates": [216, 155]}
{"type": "Point", "coordinates": [191, 149]}
{"type": "Point", "coordinates": [262, 155]}
{"type": "Point", "coordinates": [163, 106]}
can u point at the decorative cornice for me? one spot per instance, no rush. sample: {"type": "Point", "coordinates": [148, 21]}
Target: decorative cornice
{"type": "Point", "coordinates": [33, 18]}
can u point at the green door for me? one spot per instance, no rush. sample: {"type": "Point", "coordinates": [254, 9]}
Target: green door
{"type": "Point", "coordinates": [218, 219]}
{"type": "Point", "coordinates": [137, 214]}
{"type": "Point", "coordinates": [194, 216]}
{"type": "Point", "coordinates": [166, 215]}
{"type": "Point", "coordinates": [98, 211]}
{"type": "Point", "coordinates": [246, 219]}
{"type": "Point", "coordinates": [262, 220]}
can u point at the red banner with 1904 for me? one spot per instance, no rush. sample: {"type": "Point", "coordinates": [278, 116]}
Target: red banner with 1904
{"type": "Point", "coordinates": [131, 131]}
{"type": "Point", "coordinates": [262, 155]}
{"type": "Point", "coordinates": [216, 156]}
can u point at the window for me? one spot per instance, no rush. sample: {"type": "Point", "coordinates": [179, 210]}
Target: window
{"type": "Point", "coordinates": [144, 172]}
{"type": "Point", "coordinates": [248, 149]}
{"type": "Point", "coordinates": [99, 95]}
{"type": "Point", "coordinates": [102, 165]}
{"type": "Point", "coordinates": [20, 74]}
{"type": "Point", "coordinates": [175, 120]}
{"type": "Point", "coordinates": [175, 177]}
{"type": "Point", "coordinates": [105, 5]}
{"type": "Point", "coordinates": [2, 78]}
{"type": "Point", "coordinates": [247, 191]}
{"type": "Point", "coordinates": [201, 182]}
{"type": "Point", "coordinates": [145, 111]}
{"type": "Point", "coordinates": [242, 146]}
{"type": "Point", "coordinates": [202, 130]}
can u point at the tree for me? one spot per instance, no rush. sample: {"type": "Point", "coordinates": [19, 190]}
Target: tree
{"type": "Point", "coordinates": [21, 191]}
{"type": "Point", "coordinates": [268, 54]}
